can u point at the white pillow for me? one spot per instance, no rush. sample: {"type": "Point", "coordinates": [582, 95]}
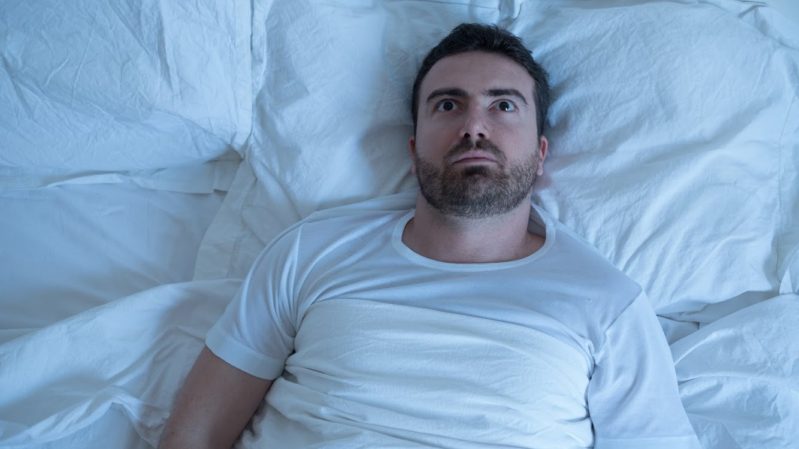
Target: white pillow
{"type": "Point", "coordinates": [332, 112]}
{"type": "Point", "coordinates": [667, 149]}
{"type": "Point", "coordinates": [669, 144]}
{"type": "Point", "coordinates": [332, 108]}
{"type": "Point", "coordinates": [122, 85]}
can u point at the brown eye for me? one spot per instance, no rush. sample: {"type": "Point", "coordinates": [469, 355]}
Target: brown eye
{"type": "Point", "coordinates": [506, 106]}
{"type": "Point", "coordinates": [445, 105]}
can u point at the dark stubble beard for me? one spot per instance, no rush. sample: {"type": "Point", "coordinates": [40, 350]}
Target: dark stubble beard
{"type": "Point", "coordinates": [477, 191]}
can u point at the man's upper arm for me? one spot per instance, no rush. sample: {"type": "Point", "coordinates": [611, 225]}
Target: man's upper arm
{"type": "Point", "coordinates": [214, 405]}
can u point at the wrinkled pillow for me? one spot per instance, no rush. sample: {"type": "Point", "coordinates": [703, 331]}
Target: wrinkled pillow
{"type": "Point", "coordinates": [123, 85]}
{"type": "Point", "coordinates": [672, 134]}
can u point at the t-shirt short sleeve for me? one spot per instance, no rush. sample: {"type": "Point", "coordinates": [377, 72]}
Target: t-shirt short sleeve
{"type": "Point", "coordinates": [632, 395]}
{"type": "Point", "coordinates": [256, 331]}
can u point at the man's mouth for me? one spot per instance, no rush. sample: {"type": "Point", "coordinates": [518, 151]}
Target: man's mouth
{"type": "Point", "coordinates": [475, 156]}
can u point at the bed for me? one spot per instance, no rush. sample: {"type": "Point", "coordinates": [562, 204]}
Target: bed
{"type": "Point", "coordinates": [150, 149]}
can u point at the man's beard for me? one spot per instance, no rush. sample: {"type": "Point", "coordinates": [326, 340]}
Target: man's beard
{"type": "Point", "coordinates": [476, 191]}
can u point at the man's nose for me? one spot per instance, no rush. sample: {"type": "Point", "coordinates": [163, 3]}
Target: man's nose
{"type": "Point", "coordinates": [474, 125]}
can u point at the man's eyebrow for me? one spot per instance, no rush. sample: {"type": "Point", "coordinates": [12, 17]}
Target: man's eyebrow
{"type": "Point", "coordinates": [458, 92]}
{"type": "Point", "coordinates": [447, 92]}
{"type": "Point", "coordinates": [504, 93]}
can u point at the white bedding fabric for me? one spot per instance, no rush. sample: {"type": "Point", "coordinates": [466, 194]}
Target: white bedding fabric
{"type": "Point", "coordinates": [131, 354]}
{"type": "Point", "coordinates": [125, 85]}
{"type": "Point", "coordinates": [675, 147]}
{"type": "Point", "coordinates": [739, 377]}
{"type": "Point", "coordinates": [68, 248]}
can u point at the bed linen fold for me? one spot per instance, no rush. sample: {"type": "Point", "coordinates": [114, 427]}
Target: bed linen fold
{"type": "Point", "coordinates": [204, 177]}
{"type": "Point", "coordinates": [132, 353]}
{"type": "Point", "coordinates": [68, 248]}
{"type": "Point", "coordinates": [739, 377]}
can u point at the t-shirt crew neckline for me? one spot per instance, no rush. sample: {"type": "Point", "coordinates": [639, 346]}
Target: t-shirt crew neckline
{"type": "Point", "coordinates": [538, 221]}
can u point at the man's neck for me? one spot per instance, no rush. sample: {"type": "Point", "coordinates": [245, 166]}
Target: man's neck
{"type": "Point", "coordinates": [465, 240]}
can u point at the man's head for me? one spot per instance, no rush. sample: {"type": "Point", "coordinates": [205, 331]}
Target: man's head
{"type": "Point", "coordinates": [476, 147]}
{"type": "Point", "coordinates": [468, 37]}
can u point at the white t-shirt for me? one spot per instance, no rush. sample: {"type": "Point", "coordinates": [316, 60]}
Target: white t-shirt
{"type": "Point", "coordinates": [373, 345]}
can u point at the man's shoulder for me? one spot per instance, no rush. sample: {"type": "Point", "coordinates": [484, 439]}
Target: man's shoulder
{"type": "Point", "coordinates": [565, 241]}
{"type": "Point", "coordinates": [325, 236]}
{"type": "Point", "coordinates": [586, 265]}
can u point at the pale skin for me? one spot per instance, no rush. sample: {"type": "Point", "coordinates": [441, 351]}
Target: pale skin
{"type": "Point", "coordinates": [478, 94]}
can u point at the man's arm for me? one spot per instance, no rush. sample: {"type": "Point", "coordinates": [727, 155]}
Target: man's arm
{"type": "Point", "coordinates": [214, 405]}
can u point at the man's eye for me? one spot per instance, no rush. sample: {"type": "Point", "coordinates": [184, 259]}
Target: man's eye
{"type": "Point", "coordinates": [445, 105]}
{"type": "Point", "coordinates": [506, 106]}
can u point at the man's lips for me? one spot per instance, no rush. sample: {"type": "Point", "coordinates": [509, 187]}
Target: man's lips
{"type": "Point", "coordinates": [474, 156]}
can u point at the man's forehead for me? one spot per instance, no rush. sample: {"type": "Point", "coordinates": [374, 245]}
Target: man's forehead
{"type": "Point", "coordinates": [477, 72]}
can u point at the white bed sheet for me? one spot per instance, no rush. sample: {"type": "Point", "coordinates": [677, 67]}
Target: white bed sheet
{"type": "Point", "coordinates": [739, 377]}
{"type": "Point", "coordinates": [128, 356]}
{"type": "Point", "coordinates": [68, 248]}
{"type": "Point", "coordinates": [112, 430]}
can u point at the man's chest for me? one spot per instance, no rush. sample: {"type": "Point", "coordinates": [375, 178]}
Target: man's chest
{"type": "Point", "coordinates": [402, 363]}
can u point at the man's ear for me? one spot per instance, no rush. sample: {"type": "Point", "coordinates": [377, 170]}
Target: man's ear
{"type": "Point", "coordinates": [543, 150]}
{"type": "Point", "coordinates": [412, 153]}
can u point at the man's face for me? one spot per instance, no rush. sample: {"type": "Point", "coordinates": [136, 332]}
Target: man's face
{"type": "Point", "coordinates": [476, 152]}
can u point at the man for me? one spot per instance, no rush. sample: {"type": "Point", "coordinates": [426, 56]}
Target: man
{"type": "Point", "coordinates": [472, 321]}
